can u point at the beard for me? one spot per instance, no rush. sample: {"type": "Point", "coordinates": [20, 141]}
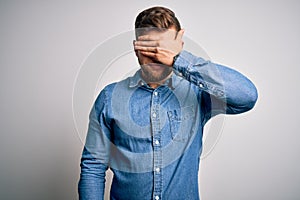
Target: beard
{"type": "Point", "coordinates": [155, 72]}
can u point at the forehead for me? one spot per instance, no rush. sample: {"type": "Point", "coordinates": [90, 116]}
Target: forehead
{"type": "Point", "coordinates": [160, 32]}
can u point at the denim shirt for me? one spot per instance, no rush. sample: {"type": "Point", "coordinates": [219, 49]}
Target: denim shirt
{"type": "Point", "coordinates": [151, 139]}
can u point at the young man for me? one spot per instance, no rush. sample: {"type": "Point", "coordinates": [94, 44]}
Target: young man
{"type": "Point", "coordinates": [148, 128]}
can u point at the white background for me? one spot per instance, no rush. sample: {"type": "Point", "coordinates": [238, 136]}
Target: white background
{"type": "Point", "coordinates": [43, 44]}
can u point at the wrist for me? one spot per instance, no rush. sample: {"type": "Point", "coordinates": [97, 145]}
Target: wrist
{"type": "Point", "coordinates": [175, 58]}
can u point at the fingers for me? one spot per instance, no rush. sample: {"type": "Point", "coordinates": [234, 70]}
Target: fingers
{"type": "Point", "coordinates": [146, 43]}
{"type": "Point", "coordinates": [149, 54]}
{"type": "Point", "coordinates": [146, 48]}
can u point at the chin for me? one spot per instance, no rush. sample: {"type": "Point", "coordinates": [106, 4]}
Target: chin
{"type": "Point", "coordinates": [155, 72]}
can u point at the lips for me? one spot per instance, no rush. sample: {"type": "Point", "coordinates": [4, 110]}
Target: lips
{"type": "Point", "coordinates": [156, 66]}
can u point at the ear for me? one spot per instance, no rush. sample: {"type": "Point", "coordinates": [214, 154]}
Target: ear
{"type": "Point", "coordinates": [136, 53]}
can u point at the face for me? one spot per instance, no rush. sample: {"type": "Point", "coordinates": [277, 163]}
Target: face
{"type": "Point", "coordinates": [153, 71]}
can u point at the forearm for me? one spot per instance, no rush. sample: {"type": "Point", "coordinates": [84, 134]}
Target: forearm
{"type": "Point", "coordinates": [92, 178]}
{"type": "Point", "coordinates": [232, 88]}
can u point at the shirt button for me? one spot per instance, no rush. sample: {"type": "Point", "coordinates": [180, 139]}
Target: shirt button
{"type": "Point", "coordinates": [201, 85]}
{"type": "Point", "coordinates": [156, 197]}
{"type": "Point", "coordinates": [155, 93]}
{"type": "Point", "coordinates": [157, 169]}
{"type": "Point", "coordinates": [154, 115]}
{"type": "Point", "coordinates": [156, 142]}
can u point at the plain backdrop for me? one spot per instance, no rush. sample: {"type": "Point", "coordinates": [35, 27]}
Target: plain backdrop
{"type": "Point", "coordinates": [43, 45]}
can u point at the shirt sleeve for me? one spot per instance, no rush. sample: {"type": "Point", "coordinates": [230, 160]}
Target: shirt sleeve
{"type": "Point", "coordinates": [95, 155]}
{"type": "Point", "coordinates": [230, 92]}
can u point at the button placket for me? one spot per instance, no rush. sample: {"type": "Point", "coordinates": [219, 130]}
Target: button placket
{"type": "Point", "coordinates": [157, 152]}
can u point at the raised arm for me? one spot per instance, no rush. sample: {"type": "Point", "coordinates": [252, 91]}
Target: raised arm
{"type": "Point", "coordinates": [230, 91]}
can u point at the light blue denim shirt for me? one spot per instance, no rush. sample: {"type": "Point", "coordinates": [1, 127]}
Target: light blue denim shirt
{"type": "Point", "coordinates": [152, 138]}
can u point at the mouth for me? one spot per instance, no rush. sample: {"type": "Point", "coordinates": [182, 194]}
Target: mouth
{"type": "Point", "coordinates": [156, 66]}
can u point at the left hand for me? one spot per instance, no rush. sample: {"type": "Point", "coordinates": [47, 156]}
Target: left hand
{"type": "Point", "coordinates": [160, 47]}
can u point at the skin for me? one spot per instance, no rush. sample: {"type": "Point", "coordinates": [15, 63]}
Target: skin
{"type": "Point", "coordinates": [155, 51]}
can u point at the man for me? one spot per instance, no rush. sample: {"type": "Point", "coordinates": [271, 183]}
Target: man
{"type": "Point", "coordinates": [148, 128]}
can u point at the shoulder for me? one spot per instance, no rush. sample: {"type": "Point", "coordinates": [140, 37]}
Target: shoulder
{"type": "Point", "coordinates": [106, 93]}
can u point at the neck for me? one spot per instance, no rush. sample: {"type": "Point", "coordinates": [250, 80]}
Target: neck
{"type": "Point", "coordinates": [155, 85]}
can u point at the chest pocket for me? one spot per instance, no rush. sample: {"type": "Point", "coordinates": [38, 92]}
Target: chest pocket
{"type": "Point", "coordinates": [181, 123]}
